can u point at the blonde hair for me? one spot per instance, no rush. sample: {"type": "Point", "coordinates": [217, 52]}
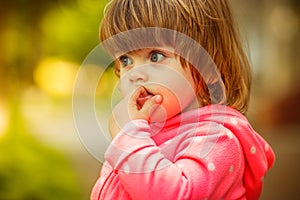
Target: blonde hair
{"type": "Point", "coordinates": [209, 22]}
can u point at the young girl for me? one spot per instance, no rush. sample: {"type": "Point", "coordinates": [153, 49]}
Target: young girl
{"type": "Point", "coordinates": [179, 132]}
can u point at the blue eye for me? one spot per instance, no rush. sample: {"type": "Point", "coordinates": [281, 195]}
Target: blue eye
{"type": "Point", "coordinates": [125, 61]}
{"type": "Point", "coordinates": [157, 57]}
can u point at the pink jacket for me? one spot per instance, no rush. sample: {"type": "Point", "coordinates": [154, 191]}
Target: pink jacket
{"type": "Point", "coordinates": [207, 153]}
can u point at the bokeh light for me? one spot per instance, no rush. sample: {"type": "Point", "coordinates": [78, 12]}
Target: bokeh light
{"type": "Point", "coordinates": [4, 119]}
{"type": "Point", "coordinates": [55, 76]}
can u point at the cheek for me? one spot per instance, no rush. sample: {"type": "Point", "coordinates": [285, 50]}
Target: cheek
{"type": "Point", "coordinates": [124, 87]}
{"type": "Point", "coordinates": [170, 106]}
{"type": "Point", "coordinates": [171, 101]}
{"type": "Point", "coordinates": [123, 90]}
{"type": "Point", "coordinates": [182, 92]}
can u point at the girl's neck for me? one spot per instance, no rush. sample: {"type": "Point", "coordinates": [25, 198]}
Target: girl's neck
{"type": "Point", "coordinates": [193, 105]}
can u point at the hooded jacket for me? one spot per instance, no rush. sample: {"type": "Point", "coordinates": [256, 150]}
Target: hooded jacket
{"type": "Point", "coordinates": [207, 153]}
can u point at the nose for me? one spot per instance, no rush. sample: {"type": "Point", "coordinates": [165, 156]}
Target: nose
{"type": "Point", "coordinates": [138, 76]}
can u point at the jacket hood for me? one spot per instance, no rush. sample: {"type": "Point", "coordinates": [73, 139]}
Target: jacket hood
{"type": "Point", "coordinates": [259, 156]}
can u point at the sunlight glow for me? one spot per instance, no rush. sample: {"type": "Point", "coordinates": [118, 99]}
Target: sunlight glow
{"type": "Point", "coordinates": [3, 120]}
{"type": "Point", "coordinates": [56, 77]}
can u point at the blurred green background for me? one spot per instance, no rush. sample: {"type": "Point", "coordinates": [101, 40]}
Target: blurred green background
{"type": "Point", "coordinates": [43, 44]}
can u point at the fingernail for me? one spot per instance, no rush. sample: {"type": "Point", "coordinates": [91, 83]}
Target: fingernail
{"type": "Point", "coordinates": [158, 98]}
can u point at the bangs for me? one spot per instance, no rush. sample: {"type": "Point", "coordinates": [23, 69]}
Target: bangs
{"type": "Point", "coordinates": [123, 15]}
{"type": "Point", "coordinates": [140, 38]}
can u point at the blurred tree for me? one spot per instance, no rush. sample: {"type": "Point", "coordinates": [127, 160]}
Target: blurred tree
{"type": "Point", "coordinates": [29, 32]}
{"type": "Point", "coordinates": [30, 170]}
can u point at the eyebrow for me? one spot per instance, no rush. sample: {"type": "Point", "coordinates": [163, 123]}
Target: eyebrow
{"type": "Point", "coordinates": [147, 51]}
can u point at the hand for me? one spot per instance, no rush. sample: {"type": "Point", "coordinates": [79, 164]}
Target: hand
{"type": "Point", "coordinates": [137, 106]}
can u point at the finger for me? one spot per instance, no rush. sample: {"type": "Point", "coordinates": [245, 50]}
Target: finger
{"type": "Point", "coordinates": [150, 104]}
{"type": "Point", "coordinates": [137, 93]}
{"type": "Point", "coordinates": [132, 102]}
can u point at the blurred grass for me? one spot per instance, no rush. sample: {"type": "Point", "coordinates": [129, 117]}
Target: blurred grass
{"type": "Point", "coordinates": [31, 170]}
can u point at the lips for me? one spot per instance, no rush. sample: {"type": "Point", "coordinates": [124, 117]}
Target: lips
{"type": "Point", "coordinates": [144, 96]}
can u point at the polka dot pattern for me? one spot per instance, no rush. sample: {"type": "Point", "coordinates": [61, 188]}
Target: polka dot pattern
{"type": "Point", "coordinates": [180, 165]}
{"type": "Point", "coordinates": [126, 169]}
{"type": "Point", "coordinates": [234, 121]}
{"type": "Point", "coordinates": [211, 166]}
{"type": "Point", "coordinates": [102, 180]}
{"type": "Point", "coordinates": [229, 134]}
{"type": "Point", "coordinates": [267, 147]}
{"type": "Point", "coordinates": [205, 148]}
{"type": "Point", "coordinates": [198, 139]}
{"type": "Point", "coordinates": [253, 150]}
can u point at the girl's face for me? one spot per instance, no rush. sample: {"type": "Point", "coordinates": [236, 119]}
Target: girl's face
{"type": "Point", "coordinates": [159, 72]}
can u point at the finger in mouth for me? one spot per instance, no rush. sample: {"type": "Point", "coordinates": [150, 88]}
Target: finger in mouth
{"type": "Point", "coordinates": [144, 96]}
